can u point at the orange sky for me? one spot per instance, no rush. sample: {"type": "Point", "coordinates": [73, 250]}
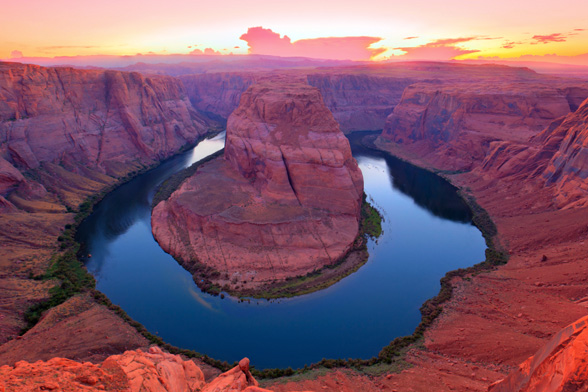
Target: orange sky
{"type": "Point", "coordinates": [428, 29]}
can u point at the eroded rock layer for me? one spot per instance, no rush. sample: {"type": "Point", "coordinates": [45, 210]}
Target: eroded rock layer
{"type": "Point", "coordinates": [457, 122]}
{"type": "Point", "coordinates": [284, 201]}
{"type": "Point", "coordinates": [132, 371]}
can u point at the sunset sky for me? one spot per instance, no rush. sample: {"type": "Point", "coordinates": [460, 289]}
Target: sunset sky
{"type": "Point", "coordinates": [358, 30]}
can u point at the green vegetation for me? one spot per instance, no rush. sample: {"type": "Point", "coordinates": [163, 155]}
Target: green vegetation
{"type": "Point", "coordinates": [65, 267]}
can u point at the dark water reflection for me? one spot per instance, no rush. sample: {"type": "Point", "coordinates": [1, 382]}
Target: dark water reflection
{"type": "Point", "coordinates": [426, 233]}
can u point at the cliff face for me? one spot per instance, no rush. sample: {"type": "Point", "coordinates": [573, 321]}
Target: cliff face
{"type": "Point", "coordinates": [217, 93]}
{"type": "Point", "coordinates": [556, 159]}
{"type": "Point", "coordinates": [96, 118]}
{"type": "Point", "coordinates": [283, 202]}
{"type": "Point", "coordinates": [64, 135]}
{"type": "Point", "coordinates": [567, 169]}
{"type": "Point", "coordinates": [457, 122]}
{"type": "Point", "coordinates": [359, 102]}
{"type": "Point", "coordinates": [561, 365]}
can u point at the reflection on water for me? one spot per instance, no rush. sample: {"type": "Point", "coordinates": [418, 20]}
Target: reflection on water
{"type": "Point", "coordinates": [426, 233]}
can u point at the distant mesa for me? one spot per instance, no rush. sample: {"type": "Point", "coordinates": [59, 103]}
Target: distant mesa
{"type": "Point", "coordinates": [285, 199]}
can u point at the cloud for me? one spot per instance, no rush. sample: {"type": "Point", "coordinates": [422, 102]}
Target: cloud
{"type": "Point", "coordinates": [510, 44]}
{"type": "Point", "coordinates": [16, 54]}
{"type": "Point", "coordinates": [409, 38]}
{"type": "Point", "coordinates": [438, 50]}
{"type": "Point", "coordinates": [545, 39]}
{"type": "Point", "coordinates": [207, 52]}
{"type": "Point", "coordinates": [579, 29]}
{"type": "Point", "coordinates": [265, 41]}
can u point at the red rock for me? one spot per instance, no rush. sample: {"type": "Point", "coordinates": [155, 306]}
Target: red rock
{"type": "Point", "coordinates": [133, 371]}
{"type": "Point", "coordinates": [285, 201]}
{"type": "Point", "coordinates": [457, 122]}
{"type": "Point", "coordinates": [96, 118]}
{"type": "Point", "coordinates": [560, 365]}
{"type": "Point", "coordinates": [9, 176]}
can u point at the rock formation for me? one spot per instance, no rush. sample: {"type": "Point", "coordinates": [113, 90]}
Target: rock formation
{"type": "Point", "coordinates": [458, 121]}
{"type": "Point", "coordinates": [561, 365]}
{"type": "Point", "coordinates": [133, 371]}
{"type": "Point", "coordinates": [284, 201]}
{"type": "Point", "coordinates": [97, 118]}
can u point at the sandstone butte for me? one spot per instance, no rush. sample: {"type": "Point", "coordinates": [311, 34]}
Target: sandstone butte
{"type": "Point", "coordinates": [507, 140]}
{"type": "Point", "coordinates": [285, 199]}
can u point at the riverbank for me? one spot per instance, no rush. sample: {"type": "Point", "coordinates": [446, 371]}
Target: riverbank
{"type": "Point", "coordinates": [497, 318]}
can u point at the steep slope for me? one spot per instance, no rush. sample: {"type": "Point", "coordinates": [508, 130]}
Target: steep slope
{"type": "Point", "coordinates": [456, 122]}
{"type": "Point", "coordinates": [99, 119]}
{"type": "Point", "coordinates": [66, 134]}
{"type": "Point", "coordinates": [283, 202]}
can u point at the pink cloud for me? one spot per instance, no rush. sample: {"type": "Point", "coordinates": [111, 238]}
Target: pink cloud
{"type": "Point", "coordinates": [439, 50]}
{"type": "Point", "coordinates": [265, 41]}
{"type": "Point", "coordinates": [545, 39]}
{"type": "Point", "coordinates": [16, 54]}
{"type": "Point", "coordinates": [510, 44]}
{"type": "Point", "coordinates": [409, 38]}
{"type": "Point", "coordinates": [207, 52]}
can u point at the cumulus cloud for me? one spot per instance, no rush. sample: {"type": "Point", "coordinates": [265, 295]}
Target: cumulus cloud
{"type": "Point", "coordinates": [265, 41]}
{"type": "Point", "coordinates": [438, 50]}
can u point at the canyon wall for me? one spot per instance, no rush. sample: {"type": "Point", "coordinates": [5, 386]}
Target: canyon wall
{"type": "Point", "coordinates": [96, 118]}
{"type": "Point", "coordinates": [283, 202]}
{"type": "Point", "coordinates": [66, 134]}
{"type": "Point", "coordinates": [458, 121]}
{"type": "Point", "coordinates": [358, 102]}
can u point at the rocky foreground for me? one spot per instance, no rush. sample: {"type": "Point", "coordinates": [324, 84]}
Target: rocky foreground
{"type": "Point", "coordinates": [132, 371]}
{"type": "Point", "coordinates": [284, 201]}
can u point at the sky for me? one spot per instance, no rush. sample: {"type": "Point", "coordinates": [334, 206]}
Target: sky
{"type": "Point", "coordinates": [336, 29]}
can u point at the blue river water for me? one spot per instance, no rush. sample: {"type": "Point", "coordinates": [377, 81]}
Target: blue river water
{"type": "Point", "coordinates": [427, 231]}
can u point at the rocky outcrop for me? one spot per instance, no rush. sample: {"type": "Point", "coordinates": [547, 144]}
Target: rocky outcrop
{"type": "Point", "coordinates": [133, 371]}
{"type": "Point", "coordinates": [567, 169]}
{"type": "Point", "coordinates": [561, 365]}
{"type": "Point", "coordinates": [458, 122]}
{"type": "Point", "coordinates": [284, 201]}
{"type": "Point", "coordinates": [98, 119]}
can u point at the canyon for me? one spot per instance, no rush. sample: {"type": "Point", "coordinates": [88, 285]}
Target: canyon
{"type": "Point", "coordinates": [508, 137]}
{"type": "Point", "coordinates": [284, 200]}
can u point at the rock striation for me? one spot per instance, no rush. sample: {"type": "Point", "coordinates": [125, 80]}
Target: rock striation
{"type": "Point", "coordinates": [284, 201]}
{"type": "Point", "coordinates": [96, 118]}
{"type": "Point", "coordinates": [458, 121]}
{"type": "Point", "coordinates": [560, 365]}
{"type": "Point", "coordinates": [66, 134]}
